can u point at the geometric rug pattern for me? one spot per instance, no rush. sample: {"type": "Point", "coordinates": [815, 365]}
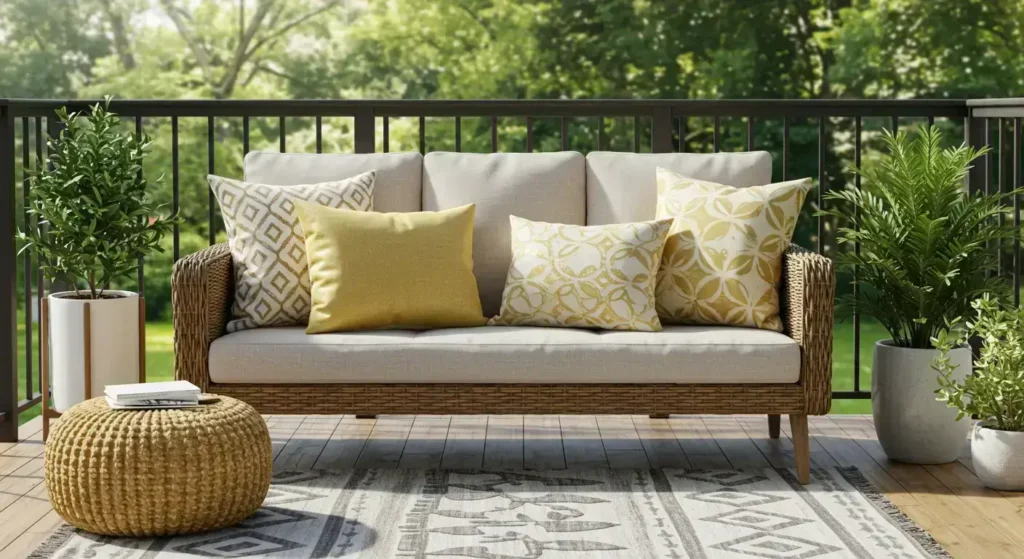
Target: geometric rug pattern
{"type": "Point", "coordinates": [614, 514]}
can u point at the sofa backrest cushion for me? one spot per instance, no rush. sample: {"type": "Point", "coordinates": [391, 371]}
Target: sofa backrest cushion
{"type": "Point", "coordinates": [399, 175]}
{"type": "Point", "coordinates": [621, 187]}
{"type": "Point", "coordinates": [547, 187]}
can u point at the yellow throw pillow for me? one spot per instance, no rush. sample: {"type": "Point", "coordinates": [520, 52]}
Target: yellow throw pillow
{"type": "Point", "coordinates": [723, 258]}
{"type": "Point", "coordinates": [376, 270]}
{"type": "Point", "coordinates": [600, 276]}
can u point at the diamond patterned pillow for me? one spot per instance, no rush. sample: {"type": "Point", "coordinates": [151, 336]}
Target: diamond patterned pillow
{"type": "Point", "coordinates": [268, 249]}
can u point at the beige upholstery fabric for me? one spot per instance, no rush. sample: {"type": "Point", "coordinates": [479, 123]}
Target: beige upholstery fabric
{"type": "Point", "coordinates": [537, 186]}
{"type": "Point", "coordinates": [621, 187]}
{"type": "Point", "coordinates": [679, 354]}
{"type": "Point", "coordinates": [399, 175]}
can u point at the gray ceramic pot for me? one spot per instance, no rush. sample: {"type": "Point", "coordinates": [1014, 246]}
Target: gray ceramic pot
{"type": "Point", "coordinates": [998, 458]}
{"type": "Point", "coordinates": [912, 425]}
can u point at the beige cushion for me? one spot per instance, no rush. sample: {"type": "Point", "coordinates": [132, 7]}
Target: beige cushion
{"type": "Point", "coordinates": [397, 188]}
{"type": "Point", "coordinates": [621, 187]}
{"type": "Point", "coordinates": [513, 354]}
{"type": "Point", "coordinates": [536, 186]}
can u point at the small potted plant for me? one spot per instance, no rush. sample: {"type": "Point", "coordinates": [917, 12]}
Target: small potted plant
{"type": "Point", "coordinates": [926, 250]}
{"type": "Point", "coordinates": [94, 220]}
{"type": "Point", "coordinates": [994, 393]}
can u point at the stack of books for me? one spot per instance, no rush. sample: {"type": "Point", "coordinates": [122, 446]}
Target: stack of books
{"type": "Point", "coordinates": [152, 395]}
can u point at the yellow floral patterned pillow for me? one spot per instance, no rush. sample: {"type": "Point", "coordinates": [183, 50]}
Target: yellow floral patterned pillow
{"type": "Point", "coordinates": [723, 258]}
{"type": "Point", "coordinates": [590, 277]}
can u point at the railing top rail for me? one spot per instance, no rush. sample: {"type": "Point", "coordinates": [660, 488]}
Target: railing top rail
{"type": "Point", "coordinates": [770, 108]}
{"type": "Point", "coordinates": [1007, 107]}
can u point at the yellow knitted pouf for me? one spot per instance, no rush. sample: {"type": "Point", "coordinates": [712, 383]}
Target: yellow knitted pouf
{"type": "Point", "coordinates": [158, 472]}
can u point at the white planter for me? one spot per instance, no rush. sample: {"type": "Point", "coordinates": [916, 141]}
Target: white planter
{"type": "Point", "coordinates": [912, 425]}
{"type": "Point", "coordinates": [998, 458]}
{"type": "Point", "coordinates": [114, 344]}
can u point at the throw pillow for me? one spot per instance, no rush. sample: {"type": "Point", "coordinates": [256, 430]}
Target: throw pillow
{"type": "Point", "coordinates": [379, 270]}
{"type": "Point", "coordinates": [723, 258]}
{"type": "Point", "coordinates": [599, 276]}
{"type": "Point", "coordinates": [267, 246]}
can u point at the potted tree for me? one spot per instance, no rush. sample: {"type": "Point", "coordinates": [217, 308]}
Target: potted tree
{"type": "Point", "coordinates": [994, 393]}
{"type": "Point", "coordinates": [94, 220]}
{"type": "Point", "coordinates": [926, 250]}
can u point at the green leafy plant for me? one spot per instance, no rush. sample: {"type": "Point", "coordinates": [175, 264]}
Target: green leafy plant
{"type": "Point", "coordinates": [926, 246]}
{"type": "Point", "coordinates": [93, 217]}
{"type": "Point", "coordinates": [994, 392]}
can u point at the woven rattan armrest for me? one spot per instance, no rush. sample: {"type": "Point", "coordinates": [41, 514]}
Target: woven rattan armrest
{"type": "Point", "coordinates": [201, 292]}
{"type": "Point", "coordinates": [808, 293]}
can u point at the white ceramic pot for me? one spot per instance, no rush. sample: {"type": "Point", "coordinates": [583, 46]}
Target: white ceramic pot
{"type": "Point", "coordinates": [912, 425]}
{"type": "Point", "coordinates": [998, 458]}
{"type": "Point", "coordinates": [114, 344]}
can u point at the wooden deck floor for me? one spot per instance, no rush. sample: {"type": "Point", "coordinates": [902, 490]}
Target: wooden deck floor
{"type": "Point", "coordinates": [966, 518]}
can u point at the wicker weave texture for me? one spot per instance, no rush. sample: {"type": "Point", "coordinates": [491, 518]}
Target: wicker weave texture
{"type": "Point", "coordinates": [158, 472]}
{"type": "Point", "coordinates": [202, 287]}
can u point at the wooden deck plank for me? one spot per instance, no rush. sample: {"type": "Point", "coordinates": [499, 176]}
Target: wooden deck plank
{"type": "Point", "coordinates": [342, 450]}
{"type": "Point", "coordinates": [384, 446]}
{"type": "Point", "coordinates": [622, 443]}
{"type": "Point", "coordinates": [660, 443]}
{"type": "Point", "coordinates": [303, 449]}
{"type": "Point", "coordinates": [581, 442]}
{"type": "Point", "coordinates": [699, 446]}
{"type": "Point", "coordinates": [741, 452]}
{"type": "Point", "coordinates": [542, 443]}
{"type": "Point", "coordinates": [503, 449]}
{"type": "Point", "coordinates": [425, 446]}
{"type": "Point", "coordinates": [464, 448]}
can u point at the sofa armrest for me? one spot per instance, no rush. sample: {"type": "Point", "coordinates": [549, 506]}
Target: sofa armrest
{"type": "Point", "coordinates": [201, 293]}
{"type": "Point", "coordinates": [808, 303]}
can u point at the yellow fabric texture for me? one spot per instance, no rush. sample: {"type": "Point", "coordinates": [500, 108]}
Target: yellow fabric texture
{"type": "Point", "coordinates": [722, 262]}
{"type": "Point", "coordinates": [598, 276]}
{"type": "Point", "coordinates": [390, 270]}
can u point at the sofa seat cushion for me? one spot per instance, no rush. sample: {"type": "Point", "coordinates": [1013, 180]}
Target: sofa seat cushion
{"type": "Point", "coordinates": [506, 354]}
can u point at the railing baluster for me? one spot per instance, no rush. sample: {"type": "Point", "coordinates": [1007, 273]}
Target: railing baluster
{"type": "Point", "coordinates": [1002, 189]}
{"type": "Point", "coordinates": [821, 183]}
{"type": "Point", "coordinates": [895, 124]}
{"type": "Point", "coordinates": [636, 134]}
{"type": "Point", "coordinates": [282, 134]}
{"type": "Point", "coordinates": [1016, 211]}
{"type": "Point", "coordinates": [856, 249]}
{"type": "Point", "coordinates": [494, 134]}
{"type": "Point", "coordinates": [715, 136]}
{"type": "Point", "coordinates": [211, 169]}
{"type": "Point", "coordinates": [245, 135]}
{"type": "Point", "coordinates": [750, 133]}
{"type": "Point", "coordinates": [529, 134]}
{"type": "Point", "coordinates": [140, 269]}
{"type": "Point", "coordinates": [563, 131]}
{"type": "Point", "coordinates": [931, 121]}
{"type": "Point", "coordinates": [682, 134]}
{"type": "Point", "coordinates": [25, 182]}
{"type": "Point", "coordinates": [989, 157]}
{"type": "Point", "coordinates": [785, 147]}
{"type": "Point", "coordinates": [458, 134]}
{"type": "Point", "coordinates": [40, 293]}
{"type": "Point", "coordinates": [174, 185]}
{"type": "Point", "coordinates": [320, 133]}
{"type": "Point", "coordinates": [423, 135]}
{"type": "Point", "coordinates": [387, 134]}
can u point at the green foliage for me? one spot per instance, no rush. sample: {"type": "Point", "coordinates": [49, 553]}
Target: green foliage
{"type": "Point", "coordinates": [93, 218]}
{"type": "Point", "coordinates": [994, 392]}
{"type": "Point", "coordinates": [926, 245]}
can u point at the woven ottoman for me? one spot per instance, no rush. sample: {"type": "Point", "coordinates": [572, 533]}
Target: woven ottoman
{"type": "Point", "coordinates": [158, 472]}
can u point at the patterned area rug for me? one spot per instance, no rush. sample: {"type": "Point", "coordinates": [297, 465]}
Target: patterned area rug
{"type": "Point", "coordinates": [611, 514]}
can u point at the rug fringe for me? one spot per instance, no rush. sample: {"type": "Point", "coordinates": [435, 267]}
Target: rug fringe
{"type": "Point", "coordinates": [854, 477]}
{"type": "Point", "coordinates": [57, 539]}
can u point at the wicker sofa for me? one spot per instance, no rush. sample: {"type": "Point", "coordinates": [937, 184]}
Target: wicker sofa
{"type": "Point", "coordinates": [495, 370]}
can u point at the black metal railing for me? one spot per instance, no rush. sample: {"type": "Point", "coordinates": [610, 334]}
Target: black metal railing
{"type": "Point", "coordinates": [798, 132]}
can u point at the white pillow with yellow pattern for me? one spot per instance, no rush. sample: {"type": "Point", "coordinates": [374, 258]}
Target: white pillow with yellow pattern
{"type": "Point", "coordinates": [722, 262]}
{"type": "Point", "coordinates": [599, 276]}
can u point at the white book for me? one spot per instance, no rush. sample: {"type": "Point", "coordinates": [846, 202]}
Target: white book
{"type": "Point", "coordinates": [173, 390]}
{"type": "Point", "coordinates": [152, 404]}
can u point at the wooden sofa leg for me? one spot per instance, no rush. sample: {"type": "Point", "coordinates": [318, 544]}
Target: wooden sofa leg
{"type": "Point", "coordinates": [774, 421]}
{"type": "Point", "coordinates": [801, 447]}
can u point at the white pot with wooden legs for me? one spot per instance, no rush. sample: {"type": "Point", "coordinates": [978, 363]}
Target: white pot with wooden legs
{"type": "Point", "coordinates": [88, 344]}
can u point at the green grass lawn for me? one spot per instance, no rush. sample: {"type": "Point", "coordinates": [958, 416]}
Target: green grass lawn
{"type": "Point", "coordinates": [160, 360]}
